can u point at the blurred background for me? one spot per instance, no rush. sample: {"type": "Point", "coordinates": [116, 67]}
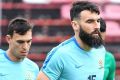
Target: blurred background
{"type": "Point", "coordinates": [52, 24]}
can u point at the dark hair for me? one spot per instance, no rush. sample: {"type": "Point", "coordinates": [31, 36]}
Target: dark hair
{"type": "Point", "coordinates": [79, 6]}
{"type": "Point", "coordinates": [102, 25]}
{"type": "Point", "coordinates": [19, 25]}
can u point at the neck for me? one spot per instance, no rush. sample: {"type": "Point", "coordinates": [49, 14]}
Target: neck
{"type": "Point", "coordinates": [82, 44]}
{"type": "Point", "coordinates": [10, 55]}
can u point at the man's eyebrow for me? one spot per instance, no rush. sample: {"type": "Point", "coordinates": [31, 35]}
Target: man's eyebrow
{"type": "Point", "coordinates": [29, 40]}
{"type": "Point", "coordinates": [90, 20]}
{"type": "Point", "coordinates": [24, 40]}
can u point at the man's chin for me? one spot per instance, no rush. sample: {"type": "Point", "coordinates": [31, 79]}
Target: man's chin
{"type": "Point", "coordinates": [22, 57]}
{"type": "Point", "coordinates": [96, 36]}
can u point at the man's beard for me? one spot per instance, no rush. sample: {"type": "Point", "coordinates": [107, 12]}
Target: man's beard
{"type": "Point", "coordinates": [90, 39]}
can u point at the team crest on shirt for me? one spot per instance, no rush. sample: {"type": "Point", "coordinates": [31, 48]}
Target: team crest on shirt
{"type": "Point", "coordinates": [100, 64]}
{"type": "Point", "coordinates": [29, 75]}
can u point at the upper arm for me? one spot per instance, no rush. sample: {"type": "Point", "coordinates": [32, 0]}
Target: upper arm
{"type": "Point", "coordinates": [42, 76]}
{"type": "Point", "coordinates": [52, 66]}
{"type": "Point", "coordinates": [112, 67]}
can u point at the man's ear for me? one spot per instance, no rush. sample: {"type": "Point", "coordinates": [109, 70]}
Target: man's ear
{"type": "Point", "coordinates": [75, 25]}
{"type": "Point", "coordinates": [8, 38]}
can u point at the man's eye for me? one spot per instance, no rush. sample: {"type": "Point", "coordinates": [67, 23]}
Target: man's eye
{"type": "Point", "coordinates": [98, 21]}
{"type": "Point", "coordinates": [20, 42]}
{"type": "Point", "coordinates": [90, 21]}
{"type": "Point", "coordinates": [28, 41]}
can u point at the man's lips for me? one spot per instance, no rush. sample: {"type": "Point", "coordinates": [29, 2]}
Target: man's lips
{"type": "Point", "coordinates": [23, 52]}
{"type": "Point", "coordinates": [95, 32]}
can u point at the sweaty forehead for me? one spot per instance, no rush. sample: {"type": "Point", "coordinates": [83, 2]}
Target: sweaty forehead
{"type": "Point", "coordinates": [86, 15]}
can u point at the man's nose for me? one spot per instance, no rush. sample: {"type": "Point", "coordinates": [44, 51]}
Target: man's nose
{"type": "Point", "coordinates": [97, 25]}
{"type": "Point", "coordinates": [25, 45]}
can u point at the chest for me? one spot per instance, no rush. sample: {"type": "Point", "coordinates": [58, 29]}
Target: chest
{"type": "Point", "coordinates": [10, 71]}
{"type": "Point", "coordinates": [84, 67]}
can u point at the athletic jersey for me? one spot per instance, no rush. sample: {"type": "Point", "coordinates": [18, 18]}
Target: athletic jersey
{"type": "Point", "coordinates": [24, 70]}
{"type": "Point", "coordinates": [68, 61]}
{"type": "Point", "coordinates": [1, 51]}
{"type": "Point", "coordinates": [110, 66]}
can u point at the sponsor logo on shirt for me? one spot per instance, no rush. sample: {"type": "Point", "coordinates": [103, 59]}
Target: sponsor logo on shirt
{"type": "Point", "coordinates": [78, 66]}
{"type": "Point", "coordinates": [29, 75]}
{"type": "Point", "coordinates": [101, 64]}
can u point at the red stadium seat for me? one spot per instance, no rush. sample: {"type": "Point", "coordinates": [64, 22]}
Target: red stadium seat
{"type": "Point", "coordinates": [102, 13]}
{"type": "Point", "coordinates": [118, 64]}
{"type": "Point", "coordinates": [117, 57]}
{"type": "Point", "coordinates": [65, 9]}
{"type": "Point", "coordinates": [37, 57]}
{"type": "Point", "coordinates": [117, 77]}
{"type": "Point", "coordinates": [113, 29]}
{"type": "Point", "coordinates": [62, 1]}
{"type": "Point", "coordinates": [112, 11]}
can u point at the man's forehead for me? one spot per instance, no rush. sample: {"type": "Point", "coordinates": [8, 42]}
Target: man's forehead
{"type": "Point", "coordinates": [86, 15]}
{"type": "Point", "coordinates": [24, 40]}
{"type": "Point", "coordinates": [22, 37]}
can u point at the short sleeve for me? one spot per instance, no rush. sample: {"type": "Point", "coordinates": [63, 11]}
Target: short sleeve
{"type": "Point", "coordinates": [53, 65]}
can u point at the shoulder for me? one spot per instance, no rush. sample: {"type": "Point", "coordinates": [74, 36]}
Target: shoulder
{"type": "Point", "coordinates": [1, 51]}
{"type": "Point", "coordinates": [57, 54]}
{"type": "Point", "coordinates": [109, 55]}
{"type": "Point", "coordinates": [66, 45]}
{"type": "Point", "coordinates": [62, 48]}
{"type": "Point", "coordinates": [110, 58]}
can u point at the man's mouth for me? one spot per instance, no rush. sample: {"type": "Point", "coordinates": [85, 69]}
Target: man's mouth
{"type": "Point", "coordinates": [95, 32]}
